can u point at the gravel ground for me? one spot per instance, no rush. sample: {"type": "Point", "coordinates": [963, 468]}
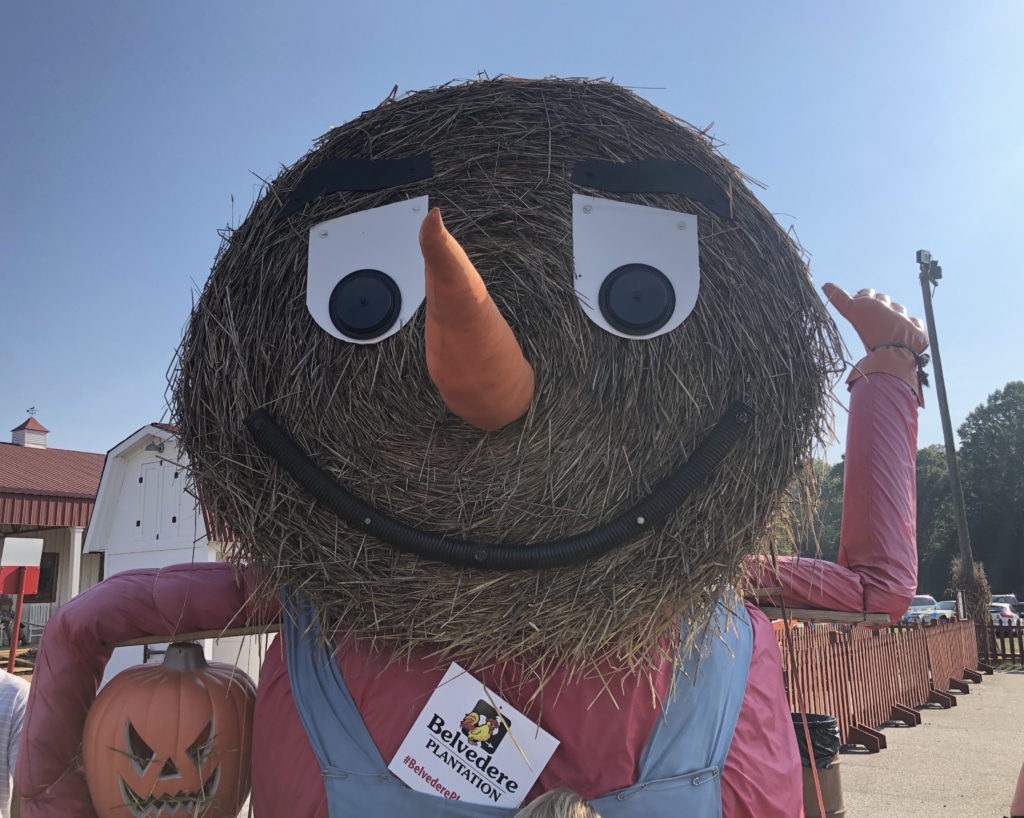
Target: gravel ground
{"type": "Point", "coordinates": [960, 762]}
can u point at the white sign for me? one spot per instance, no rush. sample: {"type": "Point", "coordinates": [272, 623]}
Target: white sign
{"type": "Point", "coordinates": [468, 744]}
{"type": "Point", "coordinates": [22, 551]}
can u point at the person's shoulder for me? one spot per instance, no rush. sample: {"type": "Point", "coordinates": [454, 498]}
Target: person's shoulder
{"type": "Point", "coordinates": [13, 687]}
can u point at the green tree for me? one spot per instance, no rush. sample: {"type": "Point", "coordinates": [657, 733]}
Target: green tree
{"type": "Point", "coordinates": [936, 529]}
{"type": "Point", "coordinates": [992, 462]}
{"type": "Point", "coordinates": [830, 511]}
{"type": "Point", "coordinates": [816, 511]}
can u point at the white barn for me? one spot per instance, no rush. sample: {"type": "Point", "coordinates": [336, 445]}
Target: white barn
{"type": "Point", "coordinates": [146, 516]}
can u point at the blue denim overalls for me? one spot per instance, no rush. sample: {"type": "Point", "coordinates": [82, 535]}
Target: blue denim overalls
{"type": "Point", "coordinates": [679, 771]}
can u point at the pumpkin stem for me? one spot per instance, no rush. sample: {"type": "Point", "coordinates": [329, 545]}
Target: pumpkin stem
{"type": "Point", "coordinates": [184, 656]}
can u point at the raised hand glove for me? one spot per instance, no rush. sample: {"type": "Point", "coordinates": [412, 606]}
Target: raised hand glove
{"type": "Point", "coordinates": [894, 341]}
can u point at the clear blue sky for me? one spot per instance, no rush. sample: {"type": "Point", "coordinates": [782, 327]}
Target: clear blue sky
{"type": "Point", "coordinates": [126, 127]}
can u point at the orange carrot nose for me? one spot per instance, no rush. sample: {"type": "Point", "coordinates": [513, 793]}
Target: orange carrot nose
{"type": "Point", "coordinates": [472, 355]}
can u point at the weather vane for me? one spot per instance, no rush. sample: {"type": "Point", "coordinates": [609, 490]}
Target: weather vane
{"type": "Point", "coordinates": [32, 411]}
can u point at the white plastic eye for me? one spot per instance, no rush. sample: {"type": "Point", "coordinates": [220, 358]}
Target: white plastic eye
{"type": "Point", "coordinates": [637, 269]}
{"type": "Point", "coordinates": [364, 279]}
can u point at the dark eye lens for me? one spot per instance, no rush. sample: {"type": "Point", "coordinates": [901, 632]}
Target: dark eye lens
{"type": "Point", "coordinates": [637, 299]}
{"type": "Point", "coordinates": [365, 304]}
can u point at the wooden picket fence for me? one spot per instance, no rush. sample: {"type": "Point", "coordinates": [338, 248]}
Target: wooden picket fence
{"type": "Point", "coordinates": [1003, 643]}
{"type": "Point", "coordinates": [867, 676]}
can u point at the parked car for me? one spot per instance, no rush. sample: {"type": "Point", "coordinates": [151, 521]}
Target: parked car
{"type": "Point", "coordinates": [1004, 617]}
{"type": "Point", "coordinates": [920, 609]}
{"type": "Point", "coordinates": [944, 612]}
{"type": "Point", "coordinates": [1011, 600]}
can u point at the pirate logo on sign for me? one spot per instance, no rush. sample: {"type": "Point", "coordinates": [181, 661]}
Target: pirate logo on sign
{"type": "Point", "coordinates": [483, 726]}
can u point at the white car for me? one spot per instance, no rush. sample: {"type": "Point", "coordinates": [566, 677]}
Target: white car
{"type": "Point", "coordinates": [1009, 599]}
{"type": "Point", "coordinates": [920, 610]}
{"type": "Point", "coordinates": [1003, 616]}
{"type": "Point", "coordinates": [944, 612]}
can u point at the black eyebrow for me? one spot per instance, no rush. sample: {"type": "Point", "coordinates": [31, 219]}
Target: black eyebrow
{"type": "Point", "coordinates": [656, 176]}
{"type": "Point", "coordinates": [356, 174]}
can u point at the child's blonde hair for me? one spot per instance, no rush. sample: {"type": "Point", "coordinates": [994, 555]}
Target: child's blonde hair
{"type": "Point", "coordinates": [558, 804]}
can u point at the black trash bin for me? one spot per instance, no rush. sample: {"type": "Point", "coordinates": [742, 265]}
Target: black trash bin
{"type": "Point", "coordinates": [824, 739]}
{"type": "Point", "coordinates": [825, 748]}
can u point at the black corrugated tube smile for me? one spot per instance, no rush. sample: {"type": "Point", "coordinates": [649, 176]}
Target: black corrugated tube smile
{"type": "Point", "coordinates": [645, 516]}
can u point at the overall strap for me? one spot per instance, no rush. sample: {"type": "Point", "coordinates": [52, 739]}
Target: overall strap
{"type": "Point", "coordinates": [356, 778]}
{"type": "Point", "coordinates": [698, 720]}
{"type": "Point", "coordinates": [326, 709]}
{"type": "Point", "coordinates": [679, 770]}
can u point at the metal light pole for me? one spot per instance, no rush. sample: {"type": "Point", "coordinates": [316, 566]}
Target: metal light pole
{"type": "Point", "coordinates": [931, 272]}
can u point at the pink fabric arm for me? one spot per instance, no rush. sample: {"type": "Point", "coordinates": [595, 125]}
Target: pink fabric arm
{"type": "Point", "coordinates": [877, 568]}
{"type": "Point", "coordinates": [879, 537]}
{"type": "Point", "coordinates": [77, 643]}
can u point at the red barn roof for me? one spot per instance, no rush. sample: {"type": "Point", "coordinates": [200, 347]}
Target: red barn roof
{"type": "Point", "coordinates": [47, 487]}
{"type": "Point", "coordinates": [31, 425]}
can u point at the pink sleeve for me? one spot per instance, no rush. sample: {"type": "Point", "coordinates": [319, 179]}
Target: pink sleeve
{"type": "Point", "coordinates": [877, 568]}
{"type": "Point", "coordinates": [286, 776]}
{"type": "Point", "coordinates": [78, 641]}
{"type": "Point", "coordinates": [761, 778]}
{"type": "Point", "coordinates": [879, 537]}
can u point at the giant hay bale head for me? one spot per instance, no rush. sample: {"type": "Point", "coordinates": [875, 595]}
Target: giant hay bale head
{"type": "Point", "coordinates": [610, 418]}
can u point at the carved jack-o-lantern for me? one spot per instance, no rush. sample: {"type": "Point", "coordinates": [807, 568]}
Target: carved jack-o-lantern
{"type": "Point", "coordinates": [171, 739]}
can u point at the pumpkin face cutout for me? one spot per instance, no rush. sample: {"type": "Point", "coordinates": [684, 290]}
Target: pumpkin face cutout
{"type": "Point", "coordinates": [171, 739]}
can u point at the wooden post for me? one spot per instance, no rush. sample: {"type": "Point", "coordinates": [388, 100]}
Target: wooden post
{"type": "Point", "coordinates": [930, 274]}
{"type": "Point", "coordinates": [22, 571]}
{"type": "Point", "coordinates": [75, 573]}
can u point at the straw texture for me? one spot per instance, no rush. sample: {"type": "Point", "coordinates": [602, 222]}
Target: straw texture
{"type": "Point", "coordinates": [610, 417]}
